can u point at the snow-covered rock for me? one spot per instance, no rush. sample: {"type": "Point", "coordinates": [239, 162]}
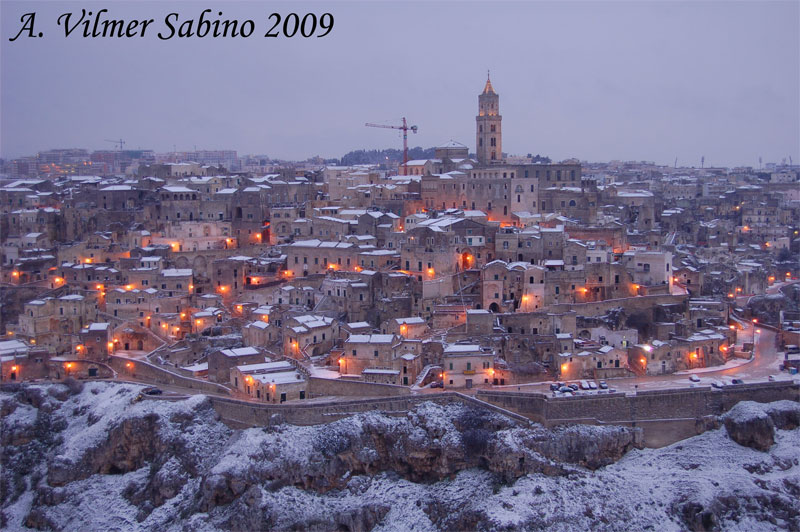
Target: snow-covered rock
{"type": "Point", "coordinates": [95, 459]}
{"type": "Point", "coordinates": [753, 424]}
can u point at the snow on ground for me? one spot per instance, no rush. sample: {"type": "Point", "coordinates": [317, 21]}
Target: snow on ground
{"type": "Point", "coordinates": [645, 490]}
{"type": "Point", "coordinates": [323, 373]}
{"type": "Point", "coordinates": [733, 363]}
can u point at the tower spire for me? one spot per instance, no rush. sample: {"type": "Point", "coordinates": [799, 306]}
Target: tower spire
{"type": "Point", "coordinates": [489, 145]}
{"type": "Point", "coordinates": [488, 89]}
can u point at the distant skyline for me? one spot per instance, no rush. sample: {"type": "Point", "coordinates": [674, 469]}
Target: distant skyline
{"type": "Point", "coordinates": [597, 81]}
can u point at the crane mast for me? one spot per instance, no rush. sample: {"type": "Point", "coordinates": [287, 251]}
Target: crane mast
{"type": "Point", "coordinates": [405, 128]}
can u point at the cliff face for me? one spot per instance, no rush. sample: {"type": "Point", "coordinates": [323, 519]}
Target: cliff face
{"type": "Point", "coordinates": [78, 458]}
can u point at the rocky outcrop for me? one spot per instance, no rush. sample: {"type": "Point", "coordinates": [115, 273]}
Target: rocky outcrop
{"type": "Point", "coordinates": [93, 459]}
{"type": "Point", "coordinates": [753, 424]}
{"type": "Point", "coordinates": [590, 446]}
{"type": "Point", "coordinates": [129, 446]}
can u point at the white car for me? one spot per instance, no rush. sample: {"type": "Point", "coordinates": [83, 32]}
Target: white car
{"type": "Point", "coordinates": [694, 378]}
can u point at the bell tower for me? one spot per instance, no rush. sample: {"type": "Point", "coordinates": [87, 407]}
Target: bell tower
{"type": "Point", "coordinates": [489, 144]}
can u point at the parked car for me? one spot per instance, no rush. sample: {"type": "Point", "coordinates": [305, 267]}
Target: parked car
{"type": "Point", "coordinates": [771, 377]}
{"type": "Point", "coordinates": [584, 385]}
{"type": "Point", "coordinates": [565, 389]}
{"type": "Point", "coordinates": [437, 384]}
{"type": "Point", "coordinates": [603, 385]}
{"type": "Point", "coordinates": [554, 387]}
{"type": "Point", "coordinates": [574, 386]}
{"type": "Point", "coordinates": [694, 378]}
{"type": "Point", "coordinates": [737, 381]}
{"type": "Point", "coordinates": [592, 385]}
{"type": "Point", "coordinates": [152, 391]}
{"type": "Point", "coordinates": [716, 384]}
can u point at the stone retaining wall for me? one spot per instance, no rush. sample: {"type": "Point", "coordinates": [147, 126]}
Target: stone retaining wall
{"type": "Point", "coordinates": [242, 414]}
{"type": "Point", "coordinates": [140, 369]}
{"type": "Point", "coordinates": [664, 414]}
{"type": "Point", "coordinates": [337, 387]}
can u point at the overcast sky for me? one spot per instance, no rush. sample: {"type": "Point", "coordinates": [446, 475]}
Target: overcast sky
{"type": "Point", "coordinates": [597, 80]}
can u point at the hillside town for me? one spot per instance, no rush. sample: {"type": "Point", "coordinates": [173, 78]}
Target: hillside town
{"type": "Point", "coordinates": [278, 281]}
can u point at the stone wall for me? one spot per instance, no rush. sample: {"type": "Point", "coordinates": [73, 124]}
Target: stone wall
{"type": "Point", "coordinates": [139, 369]}
{"type": "Point", "coordinates": [630, 304]}
{"type": "Point", "coordinates": [326, 387]}
{"type": "Point", "coordinates": [666, 415]}
{"type": "Point", "coordinates": [61, 368]}
{"type": "Point", "coordinates": [242, 414]}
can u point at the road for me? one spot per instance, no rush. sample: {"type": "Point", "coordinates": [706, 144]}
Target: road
{"type": "Point", "coordinates": [764, 363]}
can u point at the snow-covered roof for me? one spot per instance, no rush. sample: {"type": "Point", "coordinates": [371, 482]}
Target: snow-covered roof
{"type": "Point", "coordinates": [370, 338]}
{"type": "Point", "coordinates": [240, 352]}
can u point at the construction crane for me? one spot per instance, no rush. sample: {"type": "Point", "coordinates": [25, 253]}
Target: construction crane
{"type": "Point", "coordinates": [120, 143]}
{"type": "Point", "coordinates": [405, 127]}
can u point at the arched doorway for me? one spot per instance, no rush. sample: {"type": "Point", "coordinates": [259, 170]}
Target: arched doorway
{"type": "Point", "coordinates": [494, 307]}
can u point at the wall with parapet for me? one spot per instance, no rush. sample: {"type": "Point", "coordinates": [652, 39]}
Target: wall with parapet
{"type": "Point", "coordinates": [665, 415]}
{"type": "Point", "coordinates": [139, 369]}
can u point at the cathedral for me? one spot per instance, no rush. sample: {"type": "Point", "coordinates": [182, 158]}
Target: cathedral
{"type": "Point", "coordinates": [506, 190]}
